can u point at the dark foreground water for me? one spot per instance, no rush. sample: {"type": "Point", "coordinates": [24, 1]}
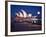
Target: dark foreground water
{"type": "Point", "coordinates": [24, 27]}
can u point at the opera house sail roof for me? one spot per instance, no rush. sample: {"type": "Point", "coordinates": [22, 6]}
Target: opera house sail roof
{"type": "Point", "coordinates": [24, 14]}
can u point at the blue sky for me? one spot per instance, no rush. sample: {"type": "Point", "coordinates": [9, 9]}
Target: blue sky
{"type": "Point", "coordinates": [28, 9]}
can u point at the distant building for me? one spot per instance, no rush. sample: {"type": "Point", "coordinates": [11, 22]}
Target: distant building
{"type": "Point", "coordinates": [22, 17]}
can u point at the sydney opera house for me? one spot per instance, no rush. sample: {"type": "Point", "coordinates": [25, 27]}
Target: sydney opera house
{"type": "Point", "coordinates": [24, 17]}
{"type": "Point", "coordinates": [26, 22]}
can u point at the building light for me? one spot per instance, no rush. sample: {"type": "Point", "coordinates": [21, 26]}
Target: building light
{"type": "Point", "coordinates": [29, 15]}
{"type": "Point", "coordinates": [38, 12]}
